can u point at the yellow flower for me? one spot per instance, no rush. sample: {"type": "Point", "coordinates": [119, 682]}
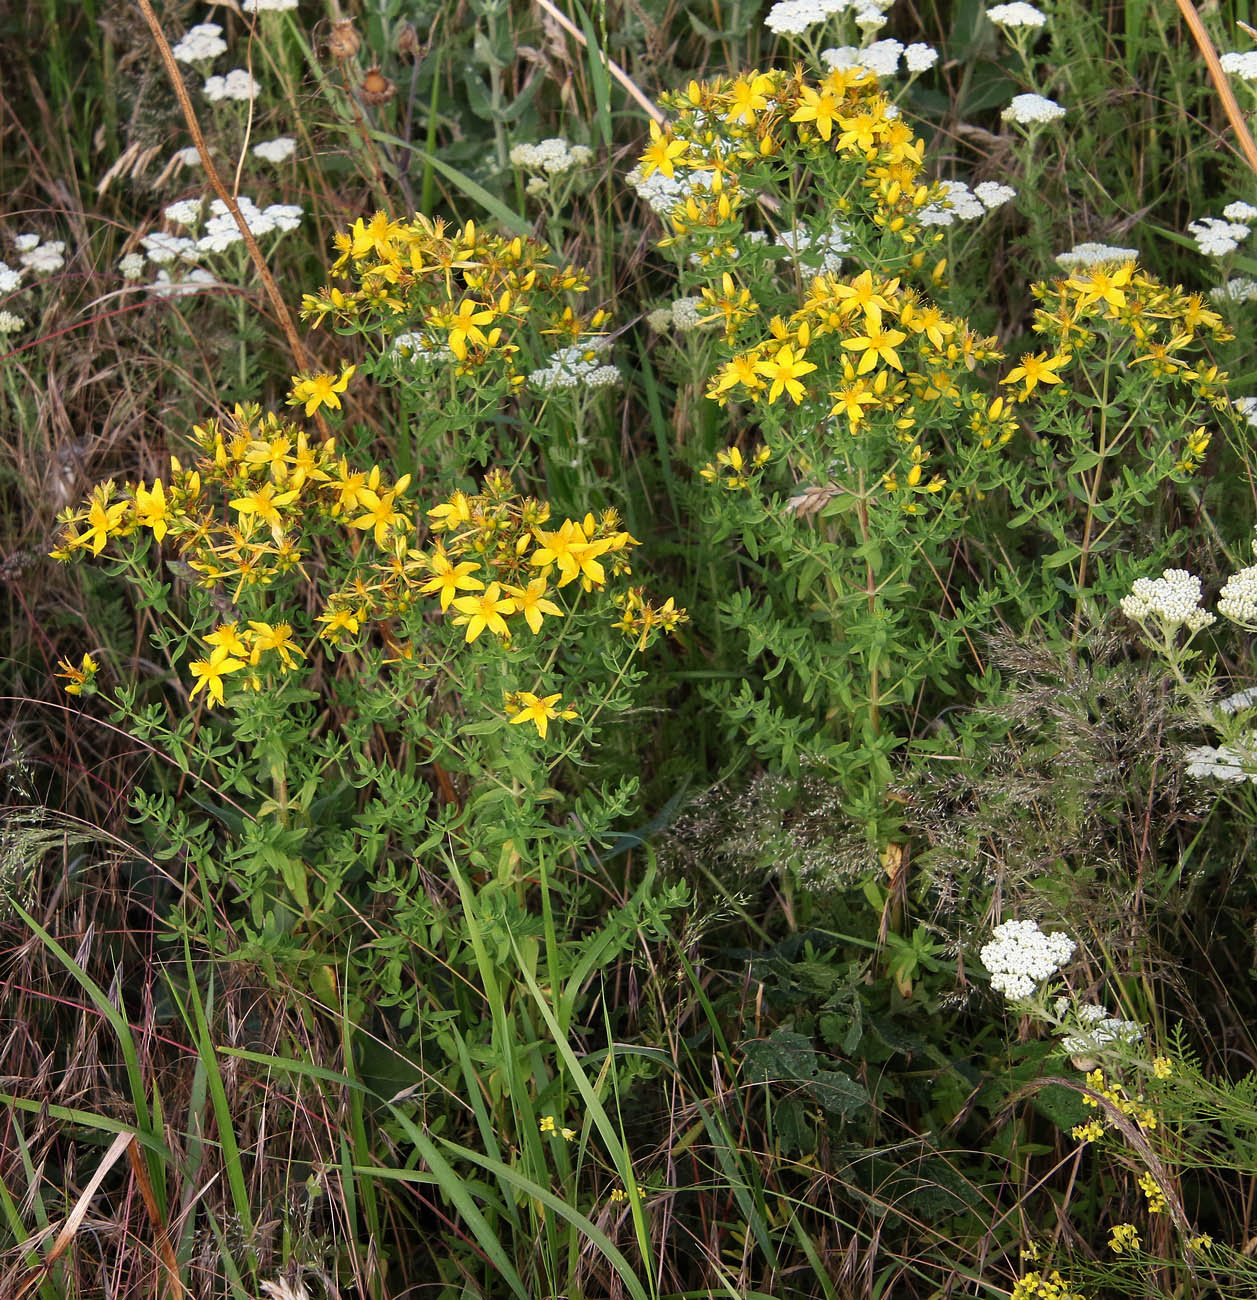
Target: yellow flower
{"type": "Point", "coordinates": [530, 601]}
{"type": "Point", "coordinates": [381, 513]}
{"type": "Point", "coordinates": [784, 369]}
{"type": "Point", "coordinates": [228, 636]}
{"type": "Point", "coordinates": [819, 107]}
{"type": "Point", "coordinates": [449, 579]}
{"type": "Point", "coordinates": [102, 519]}
{"type": "Point", "coordinates": [210, 673]}
{"type": "Point", "coordinates": [748, 96]}
{"type": "Point", "coordinates": [1123, 1237]}
{"type": "Point", "coordinates": [662, 152]}
{"type": "Point", "coordinates": [1161, 1067]}
{"type": "Point", "coordinates": [1202, 1242]}
{"type": "Point", "coordinates": [537, 709]}
{"type": "Point", "coordinates": [336, 621]}
{"type": "Point", "coordinates": [568, 547]}
{"type": "Point", "coordinates": [80, 678]}
{"type": "Point", "coordinates": [265, 502]}
{"type": "Point", "coordinates": [875, 343]}
{"type": "Point", "coordinates": [1157, 1203]}
{"type": "Point", "coordinates": [152, 508]}
{"type": "Point", "coordinates": [463, 326]}
{"type": "Point", "coordinates": [484, 611]}
{"type": "Point", "coordinates": [1036, 369]}
{"type": "Point", "coordinates": [319, 390]}
{"type": "Point", "coordinates": [277, 638]}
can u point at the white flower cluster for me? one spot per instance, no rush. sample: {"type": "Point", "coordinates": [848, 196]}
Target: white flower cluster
{"type": "Point", "coordinates": [189, 157]}
{"type": "Point", "coordinates": [1174, 598]}
{"type": "Point", "coordinates": [823, 250]}
{"type": "Point", "coordinates": [11, 322]}
{"type": "Point", "coordinates": [1082, 256]}
{"type": "Point", "coordinates": [1030, 110]}
{"type": "Point", "coordinates": [1017, 14]}
{"type": "Point", "coordinates": [1247, 407]}
{"type": "Point", "coordinates": [574, 367]}
{"type": "Point", "coordinates": [131, 266]}
{"type": "Point", "coordinates": [685, 314]}
{"type": "Point", "coordinates": [1020, 957]}
{"type": "Point", "coordinates": [278, 150]}
{"type": "Point", "coordinates": [9, 278]}
{"type": "Point", "coordinates": [1242, 65]}
{"type": "Point", "coordinates": [200, 43]}
{"type": "Point", "coordinates": [43, 259]}
{"type": "Point", "coordinates": [960, 203]}
{"type": "Point", "coordinates": [553, 156]}
{"type": "Point", "coordinates": [193, 281]}
{"type": "Point", "coordinates": [1098, 1030]}
{"type": "Point", "coordinates": [220, 230]}
{"type": "Point", "coordinates": [1240, 211]}
{"type": "Point", "coordinates": [881, 57]}
{"type": "Point", "coordinates": [662, 193]}
{"type": "Point", "coordinates": [1237, 289]}
{"type": "Point", "coordinates": [1232, 763]}
{"type": "Point", "coordinates": [237, 84]}
{"type": "Point", "coordinates": [794, 17]}
{"type": "Point", "coordinates": [1238, 598]}
{"type": "Point", "coordinates": [1215, 237]}
{"type": "Point", "coordinates": [420, 345]}
{"type": "Point", "coordinates": [262, 6]}
{"type": "Point", "coordinates": [1241, 700]}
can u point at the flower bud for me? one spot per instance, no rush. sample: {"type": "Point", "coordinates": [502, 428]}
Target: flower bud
{"type": "Point", "coordinates": [344, 42]}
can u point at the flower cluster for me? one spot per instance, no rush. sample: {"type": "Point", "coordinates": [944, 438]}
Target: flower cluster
{"type": "Point", "coordinates": [1043, 1286]}
{"type": "Point", "coordinates": [200, 44]}
{"type": "Point", "coordinates": [1032, 110]}
{"type": "Point", "coordinates": [881, 57]}
{"type": "Point", "coordinates": [1124, 1237]}
{"type": "Point", "coordinates": [41, 256]}
{"type": "Point", "coordinates": [1098, 1030]}
{"type": "Point", "coordinates": [466, 299]}
{"type": "Point", "coordinates": [1231, 763]}
{"type": "Point", "coordinates": [1116, 1095]}
{"type": "Point", "coordinates": [1021, 956]}
{"type": "Point", "coordinates": [259, 493]}
{"type": "Point", "coordinates": [1238, 598]}
{"type": "Point", "coordinates": [1017, 14]}
{"type": "Point", "coordinates": [1173, 600]}
{"type": "Point", "coordinates": [1237, 289]}
{"type": "Point", "coordinates": [1242, 64]}
{"type": "Point", "coordinates": [734, 471]}
{"type": "Point", "coordinates": [794, 17]}
{"type": "Point", "coordinates": [1216, 237]}
{"type": "Point", "coordinates": [238, 84]}
{"type": "Point", "coordinates": [552, 157]}
{"type": "Point", "coordinates": [277, 150]}
{"type": "Point", "coordinates": [1083, 256]}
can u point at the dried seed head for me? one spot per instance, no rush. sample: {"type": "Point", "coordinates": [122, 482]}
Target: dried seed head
{"type": "Point", "coordinates": [407, 41]}
{"type": "Point", "coordinates": [344, 42]}
{"type": "Point", "coordinates": [376, 87]}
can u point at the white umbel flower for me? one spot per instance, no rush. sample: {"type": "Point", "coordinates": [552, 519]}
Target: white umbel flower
{"type": "Point", "coordinates": [1087, 255]}
{"type": "Point", "coordinates": [26, 243]}
{"type": "Point", "coordinates": [1173, 598]}
{"type": "Point", "coordinates": [1215, 237]}
{"type": "Point", "coordinates": [193, 281]}
{"type": "Point", "coordinates": [1240, 211]}
{"type": "Point", "coordinates": [1242, 65]}
{"type": "Point", "coordinates": [919, 57]}
{"type": "Point", "coordinates": [184, 212]}
{"type": "Point", "coordinates": [992, 195]}
{"type": "Point", "coordinates": [163, 248]}
{"type": "Point", "coordinates": [11, 322]}
{"type": "Point", "coordinates": [237, 84]}
{"type": "Point", "coordinates": [44, 259]}
{"type": "Point", "coordinates": [574, 366]}
{"type": "Point", "coordinates": [131, 267]}
{"type": "Point", "coordinates": [10, 279]}
{"type": "Point", "coordinates": [1021, 956]}
{"type": "Point", "coordinates": [554, 156]}
{"type": "Point", "coordinates": [794, 17]}
{"type": "Point", "coordinates": [1224, 763]}
{"type": "Point", "coordinates": [189, 157]}
{"type": "Point", "coordinates": [1031, 110]}
{"type": "Point", "coordinates": [1238, 598]}
{"type": "Point", "coordinates": [1017, 14]}
{"type": "Point", "coordinates": [200, 43]}
{"type": "Point", "coordinates": [1237, 289]}
{"type": "Point", "coordinates": [1238, 702]}
{"type": "Point", "coordinates": [1100, 1030]}
{"type": "Point", "coordinates": [264, 6]}
{"type": "Point", "coordinates": [278, 150]}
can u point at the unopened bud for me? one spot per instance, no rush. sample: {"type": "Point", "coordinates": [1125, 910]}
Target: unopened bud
{"type": "Point", "coordinates": [344, 42]}
{"type": "Point", "coordinates": [407, 41]}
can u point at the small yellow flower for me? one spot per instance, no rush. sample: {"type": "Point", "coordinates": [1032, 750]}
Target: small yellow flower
{"type": "Point", "coordinates": [818, 107]}
{"type": "Point", "coordinates": [78, 679]}
{"type": "Point", "coordinates": [1036, 369]}
{"type": "Point", "coordinates": [537, 709]}
{"type": "Point", "coordinates": [1161, 1067]}
{"type": "Point", "coordinates": [1157, 1203]}
{"type": "Point", "coordinates": [336, 621]}
{"type": "Point", "coordinates": [662, 152]}
{"type": "Point", "coordinates": [784, 369]}
{"type": "Point", "coordinates": [1124, 1237]}
{"type": "Point", "coordinates": [530, 601]}
{"type": "Point", "coordinates": [209, 673]}
{"type": "Point", "coordinates": [152, 508]}
{"type": "Point", "coordinates": [319, 390]}
{"type": "Point", "coordinates": [277, 638]}
{"type": "Point", "coordinates": [1201, 1242]}
{"type": "Point", "coordinates": [485, 611]}
{"type": "Point", "coordinates": [449, 579]}
{"type": "Point", "coordinates": [228, 636]}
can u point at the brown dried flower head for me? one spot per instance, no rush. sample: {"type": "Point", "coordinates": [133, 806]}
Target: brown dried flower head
{"type": "Point", "coordinates": [407, 41]}
{"type": "Point", "coordinates": [376, 87]}
{"type": "Point", "coordinates": [344, 42]}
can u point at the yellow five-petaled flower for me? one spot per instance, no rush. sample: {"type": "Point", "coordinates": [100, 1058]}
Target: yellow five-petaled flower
{"type": "Point", "coordinates": [537, 709]}
{"type": "Point", "coordinates": [209, 674]}
{"type": "Point", "coordinates": [485, 611]}
{"type": "Point", "coordinates": [319, 390]}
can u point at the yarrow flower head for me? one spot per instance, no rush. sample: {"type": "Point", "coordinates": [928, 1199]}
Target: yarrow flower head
{"type": "Point", "coordinates": [10, 322]}
{"type": "Point", "coordinates": [1237, 289]}
{"type": "Point", "coordinates": [1032, 110]}
{"type": "Point", "coordinates": [1021, 956]}
{"type": "Point", "coordinates": [131, 266]}
{"type": "Point", "coordinates": [1173, 599]}
{"type": "Point", "coordinates": [43, 259]}
{"type": "Point", "coordinates": [237, 84]}
{"type": "Point", "coordinates": [1098, 1029]}
{"type": "Point", "coordinates": [1242, 65]}
{"type": "Point", "coordinates": [264, 6]}
{"type": "Point", "coordinates": [1238, 598]}
{"type": "Point", "coordinates": [794, 17]}
{"type": "Point", "coordinates": [1231, 763]}
{"type": "Point", "coordinates": [200, 43]}
{"type": "Point", "coordinates": [9, 278]}
{"type": "Point", "coordinates": [553, 157]}
{"type": "Point", "coordinates": [1017, 14]}
{"type": "Point", "coordinates": [1082, 256]}
{"type": "Point", "coordinates": [275, 151]}
{"type": "Point", "coordinates": [1240, 211]}
{"type": "Point", "coordinates": [919, 57]}
{"type": "Point", "coordinates": [1215, 237]}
